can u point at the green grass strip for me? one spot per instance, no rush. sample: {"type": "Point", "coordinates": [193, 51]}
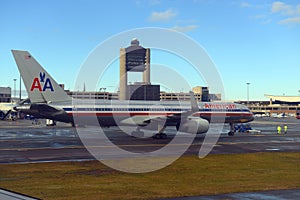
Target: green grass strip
{"type": "Point", "coordinates": [188, 176]}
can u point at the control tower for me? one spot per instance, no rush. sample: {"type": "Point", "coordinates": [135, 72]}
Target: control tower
{"type": "Point", "coordinates": [134, 58]}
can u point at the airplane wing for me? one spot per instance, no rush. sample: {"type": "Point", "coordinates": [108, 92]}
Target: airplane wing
{"type": "Point", "coordinates": [143, 121]}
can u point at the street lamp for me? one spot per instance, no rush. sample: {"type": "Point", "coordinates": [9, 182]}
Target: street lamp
{"type": "Point", "coordinates": [248, 93]}
{"type": "Point", "coordinates": [15, 87]}
{"type": "Point", "coordinates": [20, 94]}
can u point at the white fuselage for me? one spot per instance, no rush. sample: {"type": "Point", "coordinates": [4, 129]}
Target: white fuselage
{"type": "Point", "coordinates": [114, 112]}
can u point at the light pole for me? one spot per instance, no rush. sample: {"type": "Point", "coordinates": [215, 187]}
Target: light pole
{"type": "Point", "coordinates": [20, 94]}
{"type": "Point", "coordinates": [15, 87]}
{"type": "Point", "coordinates": [248, 93]}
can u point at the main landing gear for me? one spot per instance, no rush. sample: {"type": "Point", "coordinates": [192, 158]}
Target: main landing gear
{"type": "Point", "coordinates": [137, 133]}
{"type": "Point", "coordinates": [232, 129]}
{"type": "Point", "coordinates": [160, 134]}
{"type": "Point", "coordinates": [140, 134]}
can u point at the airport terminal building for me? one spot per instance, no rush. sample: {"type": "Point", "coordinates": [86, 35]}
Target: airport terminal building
{"type": "Point", "coordinates": [289, 105]}
{"type": "Point", "coordinates": [143, 92]}
{"type": "Point", "coordinates": [5, 94]}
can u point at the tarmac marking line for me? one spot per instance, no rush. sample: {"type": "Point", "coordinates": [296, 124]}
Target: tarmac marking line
{"type": "Point", "coordinates": [145, 145]}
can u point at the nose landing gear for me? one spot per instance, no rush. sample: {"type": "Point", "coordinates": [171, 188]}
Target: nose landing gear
{"type": "Point", "coordinates": [232, 129]}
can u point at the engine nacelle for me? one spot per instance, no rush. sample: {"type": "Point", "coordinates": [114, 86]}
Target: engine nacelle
{"type": "Point", "coordinates": [194, 126]}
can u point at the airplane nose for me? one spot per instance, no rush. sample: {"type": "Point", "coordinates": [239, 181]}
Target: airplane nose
{"type": "Point", "coordinates": [252, 116]}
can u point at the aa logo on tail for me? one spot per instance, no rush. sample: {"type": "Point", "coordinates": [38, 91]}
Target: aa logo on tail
{"type": "Point", "coordinates": [41, 83]}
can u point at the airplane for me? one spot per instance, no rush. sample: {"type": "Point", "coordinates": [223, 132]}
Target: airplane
{"type": "Point", "coordinates": [50, 101]}
{"type": "Point", "coordinates": [6, 109]}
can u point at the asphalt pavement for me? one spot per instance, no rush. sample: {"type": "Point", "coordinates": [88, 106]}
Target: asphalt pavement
{"type": "Point", "coordinates": [23, 141]}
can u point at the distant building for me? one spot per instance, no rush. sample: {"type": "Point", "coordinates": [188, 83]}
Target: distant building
{"type": "Point", "coordinates": [288, 100]}
{"type": "Point", "coordinates": [178, 96]}
{"type": "Point", "coordinates": [140, 91]}
{"type": "Point", "coordinates": [5, 94]}
{"type": "Point", "coordinates": [203, 91]}
{"type": "Point", "coordinates": [93, 95]}
{"type": "Point", "coordinates": [288, 105]}
{"type": "Point", "coordinates": [201, 94]}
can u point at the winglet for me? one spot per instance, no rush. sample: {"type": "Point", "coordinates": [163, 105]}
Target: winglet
{"type": "Point", "coordinates": [194, 104]}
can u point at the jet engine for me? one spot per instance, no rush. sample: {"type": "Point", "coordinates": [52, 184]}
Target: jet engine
{"type": "Point", "coordinates": [194, 126]}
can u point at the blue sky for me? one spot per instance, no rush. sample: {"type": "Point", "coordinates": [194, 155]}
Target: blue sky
{"type": "Point", "coordinates": [249, 41]}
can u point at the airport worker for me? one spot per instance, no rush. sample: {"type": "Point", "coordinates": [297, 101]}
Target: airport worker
{"type": "Point", "coordinates": [278, 129]}
{"type": "Point", "coordinates": [285, 129]}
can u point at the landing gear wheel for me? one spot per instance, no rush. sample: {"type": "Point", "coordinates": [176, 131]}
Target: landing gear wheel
{"type": "Point", "coordinates": [232, 130]}
{"type": "Point", "coordinates": [231, 133]}
{"type": "Point", "coordinates": [160, 136]}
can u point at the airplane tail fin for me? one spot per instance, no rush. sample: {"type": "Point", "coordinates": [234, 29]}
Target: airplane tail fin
{"type": "Point", "coordinates": [41, 87]}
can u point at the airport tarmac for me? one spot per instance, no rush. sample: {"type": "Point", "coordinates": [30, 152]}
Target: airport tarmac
{"type": "Point", "coordinates": [264, 195]}
{"type": "Point", "coordinates": [24, 142]}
